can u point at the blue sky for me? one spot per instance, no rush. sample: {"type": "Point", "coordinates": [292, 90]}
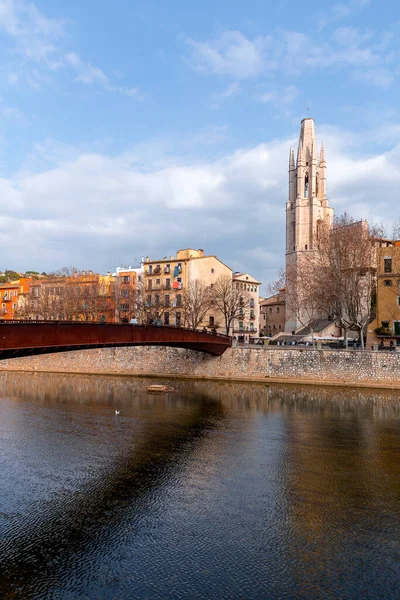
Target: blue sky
{"type": "Point", "coordinates": [130, 128]}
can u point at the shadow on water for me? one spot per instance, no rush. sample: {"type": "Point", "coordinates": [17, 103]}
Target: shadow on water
{"type": "Point", "coordinates": [32, 556]}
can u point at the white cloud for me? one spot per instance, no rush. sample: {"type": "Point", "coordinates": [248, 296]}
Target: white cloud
{"type": "Point", "coordinates": [285, 96]}
{"type": "Point", "coordinates": [94, 210]}
{"type": "Point", "coordinates": [39, 42]}
{"type": "Point", "coordinates": [291, 53]}
{"type": "Point", "coordinates": [219, 98]}
{"type": "Point", "coordinates": [231, 54]}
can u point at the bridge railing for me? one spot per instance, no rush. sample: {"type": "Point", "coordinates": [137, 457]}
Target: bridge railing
{"type": "Point", "coordinates": [61, 322]}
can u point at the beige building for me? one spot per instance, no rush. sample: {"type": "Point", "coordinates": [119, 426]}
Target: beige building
{"type": "Point", "coordinates": [306, 209]}
{"type": "Point", "coordinates": [167, 279]}
{"type": "Point", "coordinates": [272, 314]}
{"type": "Point", "coordinates": [386, 325]}
{"type": "Point", "coordinates": [246, 325]}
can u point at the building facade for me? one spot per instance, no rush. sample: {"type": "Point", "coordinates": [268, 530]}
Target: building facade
{"type": "Point", "coordinates": [386, 324]}
{"type": "Point", "coordinates": [166, 283]}
{"type": "Point", "coordinates": [12, 297]}
{"type": "Point", "coordinates": [246, 326]}
{"type": "Point", "coordinates": [272, 314]}
{"type": "Point", "coordinates": [127, 282]}
{"type": "Point", "coordinates": [306, 209]}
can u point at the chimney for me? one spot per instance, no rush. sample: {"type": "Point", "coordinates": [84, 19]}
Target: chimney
{"type": "Point", "coordinates": [90, 272]}
{"type": "Point", "coordinates": [83, 272]}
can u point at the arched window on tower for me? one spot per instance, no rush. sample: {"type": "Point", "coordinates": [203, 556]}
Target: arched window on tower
{"type": "Point", "coordinates": [316, 184]}
{"type": "Point", "coordinates": [306, 186]}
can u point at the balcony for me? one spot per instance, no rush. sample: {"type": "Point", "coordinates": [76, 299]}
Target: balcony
{"type": "Point", "coordinates": [167, 270]}
{"type": "Point", "coordinates": [252, 317]}
{"type": "Point", "coordinates": [243, 330]}
{"type": "Point", "coordinates": [167, 286]}
{"type": "Point", "coordinates": [157, 270]}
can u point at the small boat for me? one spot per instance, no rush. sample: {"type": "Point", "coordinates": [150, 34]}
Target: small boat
{"type": "Point", "coordinates": [158, 389]}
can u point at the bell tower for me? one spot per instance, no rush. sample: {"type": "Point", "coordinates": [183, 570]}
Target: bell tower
{"type": "Point", "coordinates": [306, 208]}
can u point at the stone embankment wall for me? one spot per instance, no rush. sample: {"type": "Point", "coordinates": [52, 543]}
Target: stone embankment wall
{"type": "Point", "coordinates": [292, 364]}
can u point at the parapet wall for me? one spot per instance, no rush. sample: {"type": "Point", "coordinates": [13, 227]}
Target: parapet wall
{"type": "Point", "coordinates": [292, 364]}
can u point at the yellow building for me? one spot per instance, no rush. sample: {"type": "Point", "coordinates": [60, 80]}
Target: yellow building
{"type": "Point", "coordinates": [166, 280]}
{"type": "Point", "coordinates": [386, 325]}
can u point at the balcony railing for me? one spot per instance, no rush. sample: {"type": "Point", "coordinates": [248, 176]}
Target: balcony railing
{"type": "Point", "coordinates": [167, 286]}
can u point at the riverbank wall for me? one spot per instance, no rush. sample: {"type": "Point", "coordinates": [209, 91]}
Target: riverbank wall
{"type": "Point", "coordinates": [291, 365]}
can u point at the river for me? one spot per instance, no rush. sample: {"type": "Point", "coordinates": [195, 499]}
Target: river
{"type": "Point", "coordinates": [212, 491]}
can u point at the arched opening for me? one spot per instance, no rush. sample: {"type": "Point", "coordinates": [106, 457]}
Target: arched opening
{"type": "Point", "coordinates": [316, 184]}
{"type": "Point", "coordinates": [306, 186]}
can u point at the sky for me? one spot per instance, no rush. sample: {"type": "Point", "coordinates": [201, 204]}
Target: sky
{"type": "Point", "coordinates": [132, 128]}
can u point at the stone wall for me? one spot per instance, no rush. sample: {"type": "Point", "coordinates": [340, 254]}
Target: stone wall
{"type": "Point", "coordinates": [292, 364]}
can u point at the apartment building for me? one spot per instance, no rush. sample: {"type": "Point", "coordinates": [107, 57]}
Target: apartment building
{"type": "Point", "coordinates": [167, 280]}
{"type": "Point", "coordinates": [246, 326]}
{"type": "Point", "coordinates": [127, 281]}
{"type": "Point", "coordinates": [272, 314]}
{"type": "Point", "coordinates": [12, 295]}
{"type": "Point", "coordinates": [386, 324]}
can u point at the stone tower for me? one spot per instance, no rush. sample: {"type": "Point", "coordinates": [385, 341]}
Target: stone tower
{"type": "Point", "coordinates": [306, 208]}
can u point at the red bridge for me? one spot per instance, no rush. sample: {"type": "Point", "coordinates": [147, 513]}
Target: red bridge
{"type": "Point", "coordinates": [27, 338]}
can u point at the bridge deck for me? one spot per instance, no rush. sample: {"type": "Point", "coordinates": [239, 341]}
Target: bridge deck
{"type": "Point", "coordinates": [26, 338]}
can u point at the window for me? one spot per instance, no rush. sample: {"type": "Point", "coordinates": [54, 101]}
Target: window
{"type": "Point", "coordinates": [158, 281]}
{"type": "Point", "coordinates": [178, 319]}
{"type": "Point", "coordinates": [270, 309]}
{"type": "Point", "coordinates": [251, 302]}
{"type": "Point", "coordinates": [124, 306]}
{"type": "Point", "coordinates": [252, 326]}
{"type": "Point", "coordinates": [387, 264]}
{"type": "Point", "coordinates": [385, 324]}
{"type": "Point", "coordinates": [211, 321]}
{"type": "Point", "coordinates": [149, 284]}
{"type": "Point", "coordinates": [15, 292]}
{"type": "Point", "coordinates": [241, 325]}
{"type": "Point", "coordinates": [179, 300]}
{"type": "Point", "coordinates": [126, 279]}
{"type": "Point", "coordinates": [277, 309]}
{"type": "Point", "coordinates": [212, 270]}
{"type": "Point", "coordinates": [166, 300]}
{"type": "Point", "coordinates": [150, 269]}
{"type": "Point", "coordinates": [166, 318]}
{"type": "Point", "coordinates": [280, 327]}
{"type": "Point", "coordinates": [14, 305]}
{"type": "Point", "coordinates": [125, 293]}
{"type": "Point", "coordinates": [157, 300]}
{"type": "Point", "coordinates": [398, 300]}
{"type": "Point", "coordinates": [306, 190]}
{"type": "Point", "coordinates": [148, 300]}
{"type": "Point", "coordinates": [387, 282]}
{"type": "Point", "coordinates": [211, 285]}
{"type": "Point", "coordinates": [167, 284]}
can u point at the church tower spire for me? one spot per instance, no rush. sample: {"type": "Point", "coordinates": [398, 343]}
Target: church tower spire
{"type": "Point", "coordinates": [306, 208]}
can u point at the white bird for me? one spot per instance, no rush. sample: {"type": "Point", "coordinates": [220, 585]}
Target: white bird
{"type": "Point", "coordinates": [117, 412]}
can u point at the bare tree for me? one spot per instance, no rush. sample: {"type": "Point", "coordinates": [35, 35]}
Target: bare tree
{"type": "Point", "coordinates": [341, 273]}
{"type": "Point", "coordinates": [70, 298]}
{"type": "Point", "coordinates": [305, 303]}
{"type": "Point", "coordinates": [275, 286]}
{"type": "Point", "coordinates": [231, 301]}
{"type": "Point", "coordinates": [197, 301]}
{"type": "Point", "coordinates": [152, 304]}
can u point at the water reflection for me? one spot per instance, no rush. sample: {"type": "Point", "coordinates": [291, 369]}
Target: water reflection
{"type": "Point", "coordinates": [217, 490]}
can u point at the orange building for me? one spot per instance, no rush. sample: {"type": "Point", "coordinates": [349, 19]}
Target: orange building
{"type": "Point", "coordinates": [12, 295]}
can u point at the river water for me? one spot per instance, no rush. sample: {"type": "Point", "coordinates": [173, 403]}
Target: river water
{"type": "Point", "coordinates": [211, 491]}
